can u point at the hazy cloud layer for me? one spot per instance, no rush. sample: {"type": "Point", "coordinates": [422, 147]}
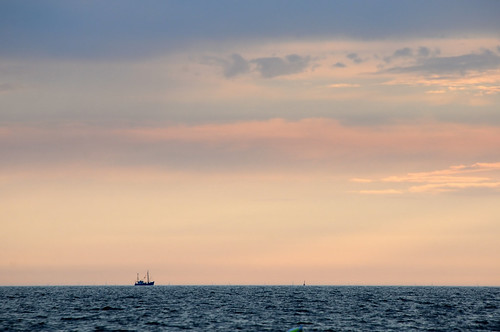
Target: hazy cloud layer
{"type": "Point", "coordinates": [249, 144]}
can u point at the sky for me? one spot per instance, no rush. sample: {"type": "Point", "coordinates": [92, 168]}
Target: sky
{"type": "Point", "coordinates": [258, 142]}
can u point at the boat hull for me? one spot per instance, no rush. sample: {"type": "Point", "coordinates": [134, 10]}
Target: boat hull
{"type": "Point", "coordinates": [151, 283]}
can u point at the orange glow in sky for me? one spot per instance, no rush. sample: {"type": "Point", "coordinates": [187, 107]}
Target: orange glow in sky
{"type": "Point", "coordinates": [349, 151]}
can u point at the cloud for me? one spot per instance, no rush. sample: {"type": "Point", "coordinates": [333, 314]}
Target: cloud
{"type": "Point", "coordinates": [5, 87]}
{"type": "Point", "coordinates": [275, 66]}
{"type": "Point", "coordinates": [256, 143]}
{"type": "Point", "coordinates": [446, 175]}
{"type": "Point", "coordinates": [361, 180]}
{"type": "Point", "coordinates": [344, 85]}
{"type": "Point", "coordinates": [125, 28]}
{"type": "Point", "coordinates": [234, 66]}
{"type": "Point", "coordinates": [354, 57]}
{"type": "Point", "coordinates": [339, 65]}
{"type": "Point", "coordinates": [455, 65]}
{"type": "Point", "coordinates": [452, 179]}
{"type": "Point", "coordinates": [403, 52]}
{"type": "Point", "coordinates": [482, 166]}
{"type": "Point", "coordinates": [409, 53]}
{"type": "Point", "coordinates": [423, 51]}
{"type": "Point", "coordinates": [267, 67]}
{"type": "Point", "coordinates": [381, 192]}
{"type": "Point", "coordinates": [436, 92]}
{"type": "Point", "coordinates": [452, 187]}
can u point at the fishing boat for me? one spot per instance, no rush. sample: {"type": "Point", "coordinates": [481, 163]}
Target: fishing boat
{"type": "Point", "coordinates": [141, 282]}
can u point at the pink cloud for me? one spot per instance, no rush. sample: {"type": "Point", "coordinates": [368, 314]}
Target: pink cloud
{"type": "Point", "coordinates": [312, 132]}
{"type": "Point", "coordinates": [453, 178]}
{"type": "Point", "coordinates": [277, 140]}
{"type": "Point", "coordinates": [361, 180]}
{"type": "Point", "coordinates": [381, 192]}
{"type": "Point", "coordinates": [453, 186]}
{"type": "Point", "coordinates": [328, 132]}
{"type": "Point", "coordinates": [453, 173]}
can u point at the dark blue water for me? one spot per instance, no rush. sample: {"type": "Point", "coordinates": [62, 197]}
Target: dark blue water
{"type": "Point", "coordinates": [249, 308]}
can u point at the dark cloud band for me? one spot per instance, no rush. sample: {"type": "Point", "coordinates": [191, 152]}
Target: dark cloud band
{"type": "Point", "coordinates": [125, 28]}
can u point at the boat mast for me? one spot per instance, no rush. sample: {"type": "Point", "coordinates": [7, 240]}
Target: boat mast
{"type": "Point", "coordinates": [148, 276]}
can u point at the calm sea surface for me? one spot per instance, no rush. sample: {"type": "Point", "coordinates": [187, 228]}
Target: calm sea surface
{"type": "Point", "coordinates": [249, 308]}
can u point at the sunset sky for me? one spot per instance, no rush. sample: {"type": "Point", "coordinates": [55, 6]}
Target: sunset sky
{"type": "Point", "coordinates": [250, 142]}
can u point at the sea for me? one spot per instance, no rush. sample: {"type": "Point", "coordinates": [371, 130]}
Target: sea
{"type": "Point", "coordinates": [249, 308]}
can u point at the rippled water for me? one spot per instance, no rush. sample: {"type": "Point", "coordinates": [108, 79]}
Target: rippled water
{"type": "Point", "coordinates": [249, 308]}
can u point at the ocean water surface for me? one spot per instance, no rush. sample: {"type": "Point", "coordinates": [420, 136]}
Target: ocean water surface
{"type": "Point", "coordinates": [249, 308]}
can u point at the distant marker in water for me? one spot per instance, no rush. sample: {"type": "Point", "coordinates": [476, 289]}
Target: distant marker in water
{"type": "Point", "coordinates": [296, 329]}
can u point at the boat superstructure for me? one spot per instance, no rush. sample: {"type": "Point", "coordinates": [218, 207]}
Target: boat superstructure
{"type": "Point", "coordinates": [142, 282]}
